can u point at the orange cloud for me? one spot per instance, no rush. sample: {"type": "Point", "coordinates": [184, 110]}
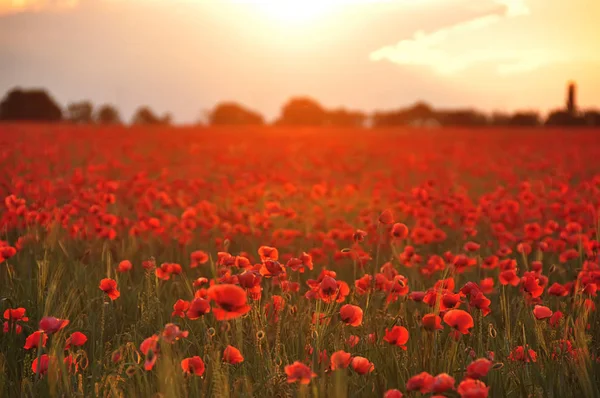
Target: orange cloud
{"type": "Point", "coordinates": [431, 49]}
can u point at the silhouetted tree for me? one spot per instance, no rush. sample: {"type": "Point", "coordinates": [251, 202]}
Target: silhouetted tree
{"type": "Point", "coordinates": [81, 112]}
{"type": "Point", "coordinates": [525, 119]}
{"type": "Point", "coordinates": [108, 114]}
{"type": "Point", "coordinates": [564, 118]}
{"type": "Point", "coordinates": [145, 116]}
{"type": "Point", "coordinates": [302, 111]}
{"type": "Point", "coordinates": [417, 114]}
{"type": "Point", "coordinates": [592, 118]}
{"type": "Point", "coordinates": [231, 113]}
{"type": "Point", "coordinates": [466, 117]}
{"type": "Point", "coordinates": [33, 105]}
{"type": "Point", "coordinates": [500, 119]}
{"type": "Point", "coordinates": [345, 118]}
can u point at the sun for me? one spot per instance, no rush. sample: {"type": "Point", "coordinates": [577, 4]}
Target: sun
{"type": "Point", "coordinates": [295, 11]}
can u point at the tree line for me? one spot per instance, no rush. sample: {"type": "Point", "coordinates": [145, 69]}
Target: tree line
{"type": "Point", "coordinates": [39, 106]}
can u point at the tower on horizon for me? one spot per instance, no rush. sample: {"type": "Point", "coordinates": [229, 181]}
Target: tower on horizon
{"type": "Point", "coordinates": [571, 105]}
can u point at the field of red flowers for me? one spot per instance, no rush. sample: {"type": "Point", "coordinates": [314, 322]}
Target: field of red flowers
{"type": "Point", "coordinates": [313, 263]}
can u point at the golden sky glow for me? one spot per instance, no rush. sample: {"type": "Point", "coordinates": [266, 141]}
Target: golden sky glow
{"type": "Point", "coordinates": [185, 55]}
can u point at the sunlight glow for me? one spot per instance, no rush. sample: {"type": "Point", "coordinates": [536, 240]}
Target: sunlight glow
{"type": "Point", "coordinates": [296, 11]}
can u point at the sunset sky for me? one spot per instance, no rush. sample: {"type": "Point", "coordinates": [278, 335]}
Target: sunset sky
{"type": "Point", "coordinates": [185, 56]}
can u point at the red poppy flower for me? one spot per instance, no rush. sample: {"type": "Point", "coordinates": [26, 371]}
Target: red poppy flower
{"type": "Point", "coordinates": [459, 320]}
{"type": "Point", "coordinates": [34, 340]}
{"type": "Point", "coordinates": [76, 339]}
{"type": "Point", "coordinates": [172, 333]}
{"type": "Point", "coordinates": [41, 367]}
{"type": "Point", "coordinates": [299, 372]}
{"type": "Point", "coordinates": [351, 315]}
{"type": "Point", "coordinates": [542, 312]}
{"type": "Point", "coordinates": [470, 388]}
{"type": "Point", "coordinates": [268, 253]}
{"type": "Point", "coordinates": [558, 290]}
{"type": "Point", "coordinates": [198, 307]}
{"type": "Point", "coordinates": [442, 383]}
{"type": "Point", "coordinates": [124, 266]}
{"type": "Point", "coordinates": [193, 365]}
{"type": "Point", "coordinates": [362, 365]}
{"type": "Point", "coordinates": [109, 286]}
{"type": "Point", "coordinates": [50, 324]}
{"type": "Point", "coordinates": [399, 231]}
{"type": "Point", "coordinates": [15, 314]}
{"type": "Point", "coordinates": [555, 318]}
{"type": "Point", "coordinates": [423, 382]}
{"type": "Point", "coordinates": [397, 336]}
{"type": "Point", "coordinates": [231, 301]}
{"type": "Point", "coordinates": [432, 322]}
{"type": "Point", "coordinates": [481, 302]}
{"type": "Point", "coordinates": [393, 394]}
{"type": "Point", "coordinates": [180, 307]}
{"type": "Point", "coordinates": [471, 247]}
{"type": "Point", "coordinates": [150, 349]}
{"type": "Point", "coordinates": [197, 258]}
{"type": "Point", "coordinates": [363, 284]}
{"type": "Point", "coordinates": [386, 217]}
{"type": "Point", "coordinates": [520, 354]}
{"type": "Point", "coordinates": [509, 277]}
{"type": "Point", "coordinates": [479, 368]}
{"type": "Point", "coordinates": [232, 355]}
{"type": "Point", "coordinates": [352, 340]}
{"type": "Point", "coordinates": [340, 360]}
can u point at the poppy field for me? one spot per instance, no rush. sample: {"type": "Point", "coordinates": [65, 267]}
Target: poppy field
{"type": "Point", "coordinates": [275, 262]}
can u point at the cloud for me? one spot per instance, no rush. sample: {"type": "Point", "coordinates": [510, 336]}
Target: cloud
{"type": "Point", "coordinates": [434, 49]}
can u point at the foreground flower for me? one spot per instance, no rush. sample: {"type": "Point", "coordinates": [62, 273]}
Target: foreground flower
{"type": "Point", "coordinates": [299, 372]}
{"type": "Point", "coordinates": [399, 231]}
{"type": "Point", "coordinates": [198, 307]}
{"type": "Point", "coordinates": [362, 365]}
{"type": "Point", "coordinates": [393, 394]}
{"type": "Point", "coordinates": [340, 360]}
{"type": "Point", "coordinates": [470, 388]}
{"type": "Point", "coordinates": [397, 336]}
{"type": "Point", "coordinates": [15, 314]}
{"type": "Point", "coordinates": [124, 266]}
{"type": "Point", "coordinates": [520, 354]}
{"type": "Point", "coordinates": [423, 382]}
{"type": "Point", "coordinates": [109, 286]}
{"type": "Point", "coordinates": [150, 349]}
{"type": "Point", "coordinates": [459, 320]}
{"type": "Point", "coordinates": [442, 383]}
{"type": "Point", "coordinates": [50, 324]}
{"type": "Point", "coordinates": [351, 314]}
{"type": "Point", "coordinates": [268, 253]}
{"type": "Point", "coordinates": [231, 301]}
{"type": "Point", "coordinates": [479, 368]}
{"type": "Point", "coordinates": [232, 355]}
{"type": "Point", "coordinates": [193, 365]}
{"type": "Point", "coordinates": [36, 339]}
{"type": "Point", "coordinates": [541, 312]}
{"type": "Point", "coordinates": [40, 367]}
{"type": "Point", "coordinates": [76, 339]}
{"type": "Point", "coordinates": [172, 333]}
{"type": "Point", "coordinates": [180, 307]}
{"type": "Point", "coordinates": [432, 322]}
{"type": "Point", "coordinates": [197, 258]}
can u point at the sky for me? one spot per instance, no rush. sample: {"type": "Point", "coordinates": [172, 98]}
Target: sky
{"type": "Point", "coordinates": [185, 56]}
